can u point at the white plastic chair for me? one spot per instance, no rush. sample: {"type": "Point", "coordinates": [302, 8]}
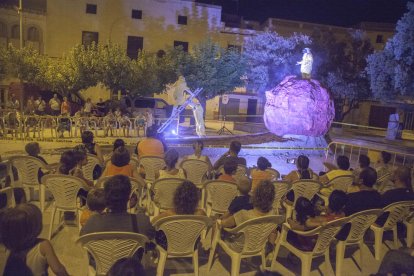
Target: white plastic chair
{"type": "Point", "coordinates": [219, 196]}
{"type": "Point", "coordinates": [64, 189]}
{"type": "Point", "coordinates": [88, 169]}
{"type": "Point", "coordinates": [182, 233]}
{"type": "Point", "coordinates": [281, 188]}
{"type": "Point", "coordinates": [275, 174]}
{"type": "Point", "coordinates": [325, 236]}
{"type": "Point", "coordinates": [151, 164]}
{"type": "Point", "coordinates": [342, 183]}
{"type": "Point", "coordinates": [302, 188]}
{"type": "Point", "coordinates": [195, 170]}
{"type": "Point", "coordinates": [27, 170]}
{"type": "Point", "coordinates": [360, 222]}
{"type": "Point", "coordinates": [108, 247]}
{"type": "Point", "coordinates": [397, 212]}
{"type": "Point", "coordinates": [409, 223]}
{"type": "Point", "coordinates": [7, 188]}
{"type": "Point", "coordinates": [255, 234]}
{"type": "Point", "coordinates": [384, 183]}
{"type": "Point", "coordinates": [164, 190]}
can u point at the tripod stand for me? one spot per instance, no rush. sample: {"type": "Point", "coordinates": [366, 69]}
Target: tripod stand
{"type": "Point", "coordinates": [223, 129]}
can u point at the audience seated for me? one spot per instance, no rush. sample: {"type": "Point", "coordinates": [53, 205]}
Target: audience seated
{"type": "Point", "coordinates": [383, 169]}
{"type": "Point", "coordinates": [120, 164]}
{"type": "Point", "coordinates": [150, 145]}
{"type": "Point", "coordinates": [259, 174]}
{"type": "Point", "coordinates": [232, 154]}
{"type": "Point", "coordinates": [127, 267]}
{"type": "Point", "coordinates": [302, 172]}
{"type": "Point", "coordinates": [95, 203]}
{"type": "Point", "coordinates": [91, 147]}
{"type": "Point", "coordinates": [364, 163]}
{"type": "Point", "coordinates": [343, 169]}
{"type": "Point", "coordinates": [335, 210]}
{"type": "Point", "coordinates": [170, 171]}
{"type": "Point", "coordinates": [186, 200]}
{"type": "Point", "coordinates": [117, 191]}
{"type": "Point", "coordinates": [198, 147]}
{"type": "Point", "coordinates": [262, 201]}
{"type": "Point", "coordinates": [241, 202]}
{"type": "Point", "coordinates": [117, 143]}
{"type": "Point", "coordinates": [230, 168]}
{"type": "Point", "coordinates": [367, 198]}
{"type": "Point", "coordinates": [33, 150]}
{"type": "Point", "coordinates": [27, 254]}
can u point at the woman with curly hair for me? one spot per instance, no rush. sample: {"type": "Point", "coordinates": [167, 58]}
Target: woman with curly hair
{"type": "Point", "coordinates": [186, 200]}
{"type": "Point", "coordinates": [262, 200]}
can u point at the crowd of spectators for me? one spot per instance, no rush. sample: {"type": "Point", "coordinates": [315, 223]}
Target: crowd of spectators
{"type": "Point", "coordinates": [106, 209]}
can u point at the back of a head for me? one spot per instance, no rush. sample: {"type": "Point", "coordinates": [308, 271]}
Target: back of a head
{"type": "Point", "coordinates": [230, 166]}
{"type": "Point", "coordinates": [67, 161]}
{"type": "Point", "coordinates": [32, 148]}
{"type": "Point", "coordinates": [403, 175]}
{"type": "Point", "coordinates": [151, 132]}
{"type": "Point", "coordinates": [337, 200]}
{"type": "Point", "coordinates": [96, 200]}
{"type": "Point", "coordinates": [302, 164]}
{"type": "Point", "coordinates": [127, 267]}
{"type": "Point", "coordinates": [386, 157]}
{"type": "Point", "coordinates": [186, 198]}
{"type": "Point", "coordinates": [304, 209]}
{"type": "Point", "coordinates": [118, 143]}
{"type": "Point", "coordinates": [364, 161]}
{"type": "Point", "coordinates": [117, 190]}
{"type": "Point", "coordinates": [263, 163]}
{"type": "Point", "coordinates": [235, 146]}
{"type": "Point", "coordinates": [171, 158]}
{"type": "Point", "coordinates": [20, 227]}
{"type": "Point", "coordinates": [120, 157]}
{"type": "Point", "coordinates": [87, 137]}
{"type": "Point", "coordinates": [244, 185]}
{"type": "Point", "coordinates": [343, 162]}
{"type": "Point", "coordinates": [368, 177]}
{"type": "Point", "coordinates": [263, 196]}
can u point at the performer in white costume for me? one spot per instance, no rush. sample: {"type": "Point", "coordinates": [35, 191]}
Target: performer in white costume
{"type": "Point", "coordinates": [306, 64]}
{"type": "Point", "coordinates": [199, 119]}
{"type": "Point", "coordinates": [176, 94]}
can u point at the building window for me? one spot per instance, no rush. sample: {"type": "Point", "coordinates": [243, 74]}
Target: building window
{"type": "Point", "coordinates": [380, 39]}
{"type": "Point", "coordinates": [135, 43]}
{"type": "Point", "coordinates": [3, 30]}
{"type": "Point", "coordinates": [33, 34]}
{"type": "Point", "coordinates": [182, 44]}
{"type": "Point", "coordinates": [136, 14]}
{"type": "Point", "coordinates": [15, 32]}
{"type": "Point", "coordinates": [182, 20]}
{"type": "Point", "coordinates": [91, 8]}
{"type": "Point", "coordinates": [234, 47]}
{"type": "Point", "coordinates": [89, 37]}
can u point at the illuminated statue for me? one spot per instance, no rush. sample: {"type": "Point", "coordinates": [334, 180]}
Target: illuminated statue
{"type": "Point", "coordinates": [199, 119]}
{"type": "Point", "coordinates": [306, 64]}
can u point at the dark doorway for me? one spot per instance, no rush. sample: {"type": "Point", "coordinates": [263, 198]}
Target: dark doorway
{"type": "Point", "coordinates": [251, 110]}
{"type": "Point", "coordinates": [379, 115]}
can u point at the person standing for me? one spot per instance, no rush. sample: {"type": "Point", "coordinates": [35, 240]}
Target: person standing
{"type": "Point", "coordinates": [40, 106]}
{"type": "Point", "coordinates": [30, 106]}
{"type": "Point", "coordinates": [54, 104]}
{"type": "Point", "coordinates": [306, 64]}
{"type": "Point", "coordinates": [87, 109]}
{"type": "Point", "coordinates": [65, 109]}
{"type": "Point", "coordinates": [13, 102]}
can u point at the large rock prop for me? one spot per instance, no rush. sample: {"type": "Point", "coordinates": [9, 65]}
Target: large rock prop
{"type": "Point", "coordinates": [298, 107]}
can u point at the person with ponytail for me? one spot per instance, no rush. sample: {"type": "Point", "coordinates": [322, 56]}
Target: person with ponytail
{"type": "Point", "coordinates": [27, 254]}
{"type": "Point", "coordinates": [302, 171]}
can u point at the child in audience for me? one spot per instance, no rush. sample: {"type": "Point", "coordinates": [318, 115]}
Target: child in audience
{"type": "Point", "coordinates": [170, 171]}
{"type": "Point", "coordinates": [241, 202]}
{"type": "Point", "coordinates": [198, 147]}
{"type": "Point", "coordinates": [26, 253]}
{"type": "Point", "coordinates": [259, 174]}
{"type": "Point", "coordinates": [95, 202]}
{"type": "Point", "coordinates": [230, 168]}
{"type": "Point", "coordinates": [335, 210]}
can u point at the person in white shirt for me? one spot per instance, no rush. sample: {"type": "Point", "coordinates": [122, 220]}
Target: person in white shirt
{"type": "Point", "coordinates": [87, 109]}
{"type": "Point", "coordinates": [306, 64]}
{"type": "Point", "coordinates": [54, 104]}
{"type": "Point", "coordinates": [40, 106]}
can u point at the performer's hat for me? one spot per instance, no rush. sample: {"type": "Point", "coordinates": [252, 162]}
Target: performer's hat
{"type": "Point", "coordinates": [306, 50]}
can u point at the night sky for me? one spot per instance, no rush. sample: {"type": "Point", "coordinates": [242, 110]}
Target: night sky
{"type": "Point", "coordinates": [334, 12]}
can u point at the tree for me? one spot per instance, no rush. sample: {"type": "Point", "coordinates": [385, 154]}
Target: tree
{"type": "Point", "coordinates": [391, 71]}
{"type": "Point", "coordinates": [271, 57]}
{"type": "Point", "coordinates": [340, 66]}
{"type": "Point", "coordinates": [213, 68]}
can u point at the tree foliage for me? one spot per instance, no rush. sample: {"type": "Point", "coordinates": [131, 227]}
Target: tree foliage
{"type": "Point", "coordinates": [270, 57]}
{"type": "Point", "coordinates": [213, 68]}
{"type": "Point", "coordinates": [391, 71]}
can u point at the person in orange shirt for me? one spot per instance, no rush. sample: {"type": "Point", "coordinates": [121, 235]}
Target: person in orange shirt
{"type": "Point", "coordinates": [259, 174]}
{"type": "Point", "coordinates": [120, 164]}
{"type": "Point", "coordinates": [230, 168]}
{"type": "Point", "coordinates": [150, 146]}
{"type": "Point", "coordinates": [95, 202]}
{"type": "Point", "coordinates": [65, 107]}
